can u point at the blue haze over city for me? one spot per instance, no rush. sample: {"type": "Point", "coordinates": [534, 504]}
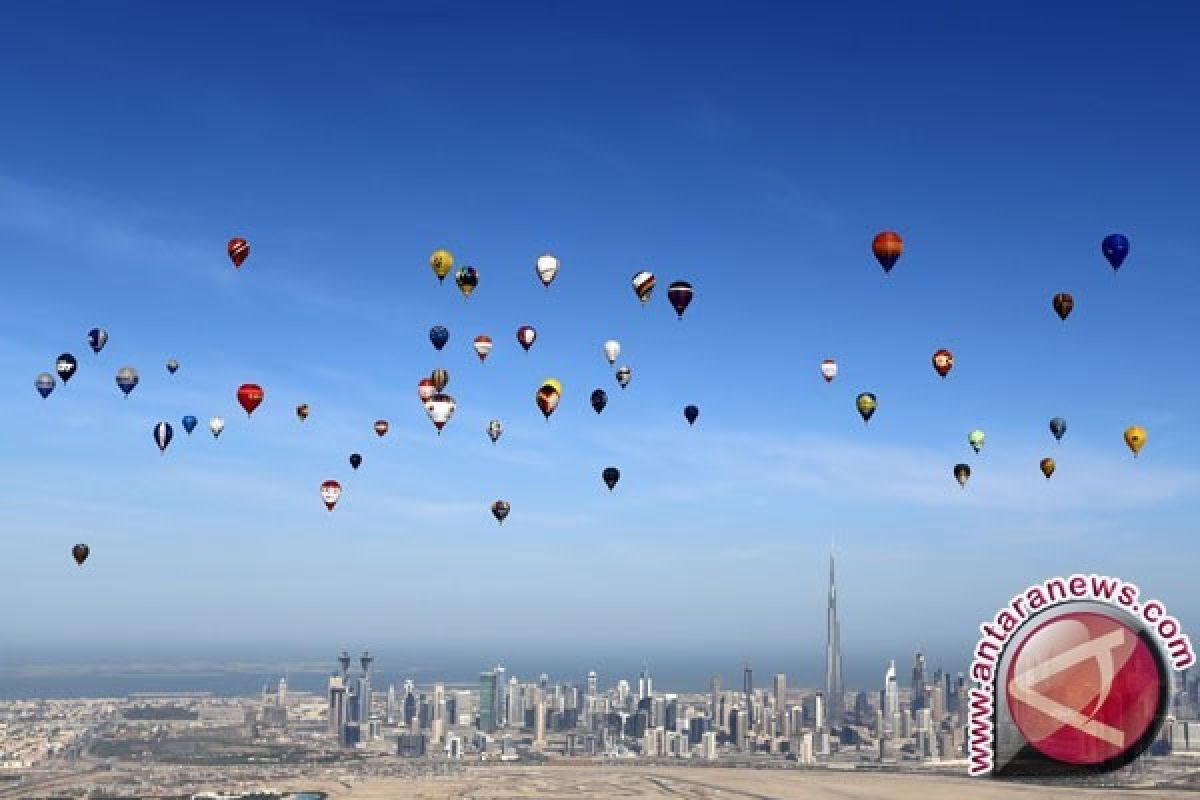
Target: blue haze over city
{"type": "Point", "coordinates": [751, 148]}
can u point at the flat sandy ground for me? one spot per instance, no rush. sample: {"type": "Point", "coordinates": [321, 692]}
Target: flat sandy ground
{"type": "Point", "coordinates": [575, 783]}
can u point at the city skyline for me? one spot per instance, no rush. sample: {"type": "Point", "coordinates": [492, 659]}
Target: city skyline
{"type": "Point", "coordinates": [659, 146]}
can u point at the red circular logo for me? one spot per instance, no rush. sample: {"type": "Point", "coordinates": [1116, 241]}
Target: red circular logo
{"type": "Point", "coordinates": [1084, 688]}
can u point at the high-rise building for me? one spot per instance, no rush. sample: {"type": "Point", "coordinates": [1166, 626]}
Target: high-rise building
{"type": "Point", "coordinates": [919, 699]}
{"type": "Point", "coordinates": [437, 725]}
{"type": "Point", "coordinates": [390, 713]}
{"type": "Point", "coordinates": [714, 689]}
{"type": "Point", "coordinates": [364, 688]}
{"type": "Point", "coordinates": [780, 695]}
{"type": "Point", "coordinates": [487, 701]}
{"type": "Point", "coordinates": [748, 689]}
{"type": "Point", "coordinates": [501, 701]}
{"type": "Point", "coordinates": [539, 722]}
{"type": "Point", "coordinates": [833, 657]}
{"type": "Point", "coordinates": [889, 701]}
{"type": "Point", "coordinates": [591, 683]}
{"type": "Point", "coordinates": [645, 684]}
{"type": "Point", "coordinates": [337, 705]}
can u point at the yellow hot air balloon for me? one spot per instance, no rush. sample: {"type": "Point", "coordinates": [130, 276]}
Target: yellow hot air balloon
{"type": "Point", "coordinates": [1048, 466]}
{"type": "Point", "coordinates": [442, 261]}
{"type": "Point", "coordinates": [1135, 437]}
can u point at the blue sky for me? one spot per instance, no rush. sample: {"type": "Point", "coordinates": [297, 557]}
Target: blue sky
{"type": "Point", "coordinates": [753, 149]}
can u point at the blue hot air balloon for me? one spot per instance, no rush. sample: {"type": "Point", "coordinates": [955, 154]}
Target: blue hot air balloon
{"type": "Point", "coordinates": [97, 338]}
{"type": "Point", "coordinates": [438, 335]}
{"type": "Point", "coordinates": [189, 424]}
{"type": "Point", "coordinates": [45, 384]}
{"type": "Point", "coordinates": [1115, 248]}
{"type": "Point", "coordinates": [162, 435]}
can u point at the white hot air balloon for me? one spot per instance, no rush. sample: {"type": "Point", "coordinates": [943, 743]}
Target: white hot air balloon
{"type": "Point", "coordinates": [612, 349]}
{"type": "Point", "coordinates": [547, 268]}
{"type": "Point", "coordinates": [216, 425]}
{"type": "Point", "coordinates": [440, 408]}
{"type": "Point", "coordinates": [494, 429]}
{"type": "Point", "coordinates": [829, 369]}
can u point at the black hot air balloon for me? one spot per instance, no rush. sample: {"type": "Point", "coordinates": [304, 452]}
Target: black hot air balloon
{"type": "Point", "coordinates": [1058, 426]}
{"type": "Point", "coordinates": [1063, 303]}
{"type": "Point", "coordinates": [961, 473]}
{"type": "Point", "coordinates": [500, 510]}
{"type": "Point", "coordinates": [355, 460]}
{"type": "Point", "coordinates": [680, 295]}
{"type": "Point", "coordinates": [65, 366]}
{"type": "Point", "coordinates": [80, 552]}
{"type": "Point", "coordinates": [599, 400]}
{"type": "Point", "coordinates": [690, 413]}
{"type": "Point", "coordinates": [611, 475]}
{"type": "Point", "coordinates": [438, 336]}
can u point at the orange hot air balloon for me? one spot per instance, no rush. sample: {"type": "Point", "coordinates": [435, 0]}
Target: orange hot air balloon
{"type": "Point", "coordinates": [238, 248]}
{"type": "Point", "coordinates": [250, 397]}
{"type": "Point", "coordinates": [381, 427]}
{"type": "Point", "coordinates": [1047, 465]}
{"type": "Point", "coordinates": [887, 248]}
{"type": "Point", "coordinates": [1135, 437]}
{"type": "Point", "coordinates": [943, 362]}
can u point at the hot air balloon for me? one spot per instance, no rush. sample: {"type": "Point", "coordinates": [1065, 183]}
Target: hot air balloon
{"type": "Point", "coordinates": [440, 408]}
{"type": "Point", "coordinates": [525, 336]}
{"type": "Point", "coordinates": [442, 262]}
{"type": "Point", "coordinates": [961, 473]}
{"type": "Point", "coordinates": [500, 510]}
{"type": "Point", "coordinates": [65, 366]}
{"type": "Point", "coordinates": [611, 475]}
{"type": "Point", "coordinates": [548, 396]}
{"type": "Point", "coordinates": [612, 349]}
{"type": "Point", "coordinates": [127, 378]}
{"type": "Point", "coordinates": [238, 248]}
{"type": "Point", "coordinates": [690, 413]}
{"type": "Point", "coordinates": [866, 405]}
{"type": "Point", "coordinates": [1058, 426]}
{"type": "Point", "coordinates": [599, 400]}
{"type": "Point", "coordinates": [943, 362]}
{"type": "Point", "coordinates": [163, 435]}
{"type": "Point", "coordinates": [189, 424]}
{"type": "Point", "coordinates": [438, 336]}
{"type": "Point", "coordinates": [483, 346]}
{"type": "Point", "coordinates": [829, 370]}
{"type": "Point", "coordinates": [425, 389]}
{"type": "Point", "coordinates": [440, 378]}
{"type": "Point", "coordinates": [975, 439]}
{"type": "Point", "coordinates": [331, 492]}
{"type": "Point", "coordinates": [355, 460]}
{"type": "Point", "coordinates": [467, 279]}
{"type": "Point", "coordinates": [216, 425]}
{"type": "Point", "coordinates": [1047, 465]}
{"type": "Point", "coordinates": [172, 366]}
{"type": "Point", "coordinates": [381, 427]}
{"type": "Point", "coordinates": [1063, 303]}
{"type": "Point", "coordinates": [80, 553]}
{"type": "Point", "coordinates": [45, 384]}
{"type": "Point", "coordinates": [887, 248]}
{"type": "Point", "coordinates": [624, 375]}
{"type": "Point", "coordinates": [1115, 248]}
{"type": "Point", "coordinates": [302, 411]}
{"type": "Point", "coordinates": [1135, 437]}
{"type": "Point", "coordinates": [680, 295]}
{"type": "Point", "coordinates": [547, 268]}
{"type": "Point", "coordinates": [643, 285]}
{"type": "Point", "coordinates": [97, 338]}
{"type": "Point", "coordinates": [249, 396]}
{"type": "Point", "coordinates": [494, 429]}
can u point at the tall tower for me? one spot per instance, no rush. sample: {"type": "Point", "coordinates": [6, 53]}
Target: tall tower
{"type": "Point", "coordinates": [833, 657]}
{"type": "Point", "coordinates": [364, 688]}
{"type": "Point", "coordinates": [748, 687]}
{"type": "Point", "coordinates": [344, 660]}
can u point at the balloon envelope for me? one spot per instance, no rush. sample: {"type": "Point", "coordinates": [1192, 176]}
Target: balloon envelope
{"type": "Point", "coordinates": [127, 378]}
{"type": "Point", "coordinates": [500, 510]}
{"type": "Point", "coordinates": [961, 473]}
{"type": "Point", "coordinates": [610, 475]}
{"type": "Point", "coordinates": [829, 370]}
{"type": "Point", "coordinates": [526, 336]}
{"type": "Point", "coordinates": [216, 425]}
{"type": "Point", "coordinates": [483, 346]}
{"type": "Point", "coordinates": [238, 249]}
{"type": "Point", "coordinates": [975, 439]}
{"type": "Point", "coordinates": [65, 366]}
{"type": "Point", "coordinates": [440, 408]}
{"type": "Point", "coordinates": [189, 424]}
{"type": "Point", "coordinates": [1062, 303]}
{"type": "Point", "coordinates": [690, 413]}
{"type": "Point", "coordinates": [547, 267]}
{"type": "Point", "coordinates": [494, 429]}
{"type": "Point", "coordinates": [381, 427]}
{"type": "Point", "coordinates": [1058, 426]}
{"type": "Point", "coordinates": [438, 336]}
{"type": "Point", "coordinates": [866, 405]}
{"type": "Point", "coordinates": [302, 411]}
{"type": "Point", "coordinates": [331, 492]}
{"type": "Point", "coordinates": [97, 338]}
{"type": "Point", "coordinates": [680, 294]}
{"type": "Point", "coordinates": [547, 398]}
{"type": "Point", "coordinates": [599, 400]}
{"type": "Point", "coordinates": [887, 248]}
{"type": "Point", "coordinates": [1115, 248]}
{"type": "Point", "coordinates": [643, 285]}
{"type": "Point", "coordinates": [624, 375]}
{"type": "Point", "coordinates": [441, 261]}
{"type": "Point", "coordinates": [612, 349]}
{"type": "Point", "coordinates": [1047, 466]}
{"type": "Point", "coordinates": [163, 435]}
{"type": "Point", "coordinates": [425, 389]}
{"type": "Point", "coordinates": [467, 279]}
{"type": "Point", "coordinates": [172, 366]}
{"type": "Point", "coordinates": [80, 553]}
{"type": "Point", "coordinates": [355, 460]}
{"type": "Point", "coordinates": [1135, 437]}
{"type": "Point", "coordinates": [45, 384]}
{"type": "Point", "coordinates": [943, 362]}
{"type": "Point", "coordinates": [249, 397]}
{"type": "Point", "coordinates": [440, 378]}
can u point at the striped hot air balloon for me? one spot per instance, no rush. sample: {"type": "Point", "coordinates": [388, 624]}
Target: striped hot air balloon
{"type": "Point", "coordinates": [887, 248]}
{"type": "Point", "coordinates": [238, 249]}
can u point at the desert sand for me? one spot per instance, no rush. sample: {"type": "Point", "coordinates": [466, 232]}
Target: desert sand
{"type": "Point", "coordinates": [576, 783]}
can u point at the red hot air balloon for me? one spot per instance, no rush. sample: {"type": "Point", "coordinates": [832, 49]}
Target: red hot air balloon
{"type": "Point", "coordinates": [238, 250]}
{"type": "Point", "coordinates": [887, 248]}
{"type": "Point", "coordinates": [381, 427]}
{"type": "Point", "coordinates": [331, 492]}
{"type": "Point", "coordinates": [525, 336]}
{"type": "Point", "coordinates": [943, 361]}
{"type": "Point", "coordinates": [680, 294]}
{"type": "Point", "coordinates": [250, 397]}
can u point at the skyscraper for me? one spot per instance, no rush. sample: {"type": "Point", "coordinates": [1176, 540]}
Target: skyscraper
{"type": "Point", "coordinates": [501, 688]}
{"type": "Point", "coordinates": [890, 700]}
{"type": "Point", "coordinates": [645, 683]}
{"type": "Point", "coordinates": [748, 688]}
{"type": "Point", "coordinates": [919, 699]}
{"type": "Point", "coordinates": [780, 703]}
{"type": "Point", "coordinates": [364, 688]}
{"type": "Point", "coordinates": [337, 704]}
{"type": "Point", "coordinates": [487, 701]}
{"type": "Point", "coordinates": [833, 657]}
{"type": "Point", "coordinates": [714, 687]}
